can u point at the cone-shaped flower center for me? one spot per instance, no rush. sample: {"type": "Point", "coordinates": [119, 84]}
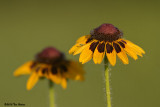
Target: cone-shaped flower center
{"type": "Point", "coordinates": [106, 32]}
{"type": "Point", "coordinates": [49, 55]}
{"type": "Point", "coordinates": [106, 29]}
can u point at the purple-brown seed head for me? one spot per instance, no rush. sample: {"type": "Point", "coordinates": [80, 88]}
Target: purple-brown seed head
{"type": "Point", "coordinates": [106, 32]}
{"type": "Point", "coordinates": [106, 29]}
{"type": "Point", "coordinates": [49, 55]}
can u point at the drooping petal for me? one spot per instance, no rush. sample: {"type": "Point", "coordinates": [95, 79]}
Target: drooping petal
{"type": "Point", "coordinates": [80, 42]}
{"type": "Point", "coordinates": [56, 78]}
{"type": "Point", "coordinates": [24, 69]}
{"type": "Point", "coordinates": [87, 53]}
{"type": "Point", "coordinates": [45, 72]}
{"type": "Point", "coordinates": [121, 53]}
{"type": "Point", "coordinates": [83, 38]}
{"type": "Point", "coordinates": [80, 49]}
{"type": "Point", "coordinates": [64, 83]}
{"type": "Point", "coordinates": [135, 48]}
{"type": "Point", "coordinates": [74, 48]}
{"type": "Point", "coordinates": [70, 74]}
{"type": "Point", "coordinates": [128, 50]}
{"type": "Point", "coordinates": [77, 66]}
{"type": "Point", "coordinates": [43, 69]}
{"type": "Point", "coordinates": [99, 53]}
{"type": "Point", "coordinates": [111, 54]}
{"type": "Point", "coordinates": [32, 80]}
{"type": "Point", "coordinates": [79, 77]}
{"type": "Point", "coordinates": [75, 71]}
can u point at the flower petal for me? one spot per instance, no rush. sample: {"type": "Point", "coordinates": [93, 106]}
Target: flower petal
{"type": "Point", "coordinates": [83, 38]}
{"type": "Point", "coordinates": [80, 42]}
{"type": "Point", "coordinates": [77, 66]}
{"type": "Point", "coordinates": [80, 49]}
{"type": "Point", "coordinates": [64, 83]}
{"type": "Point", "coordinates": [129, 51]}
{"type": "Point", "coordinates": [74, 48]}
{"type": "Point", "coordinates": [87, 53]}
{"type": "Point", "coordinates": [56, 78]}
{"type": "Point", "coordinates": [121, 53]}
{"type": "Point", "coordinates": [24, 69]}
{"type": "Point", "coordinates": [32, 80]}
{"type": "Point", "coordinates": [136, 48]}
{"type": "Point", "coordinates": [75, 71]}
{"type": "Point", "coordinates": [99, 53]}
{"type": "Point", "coordinates": [111, 54]}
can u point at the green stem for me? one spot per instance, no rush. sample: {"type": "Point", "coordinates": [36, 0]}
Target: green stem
{"type": "Point", "coordinates": [108, 93]}
{"type": "Point", "coordinates": [51, 94]}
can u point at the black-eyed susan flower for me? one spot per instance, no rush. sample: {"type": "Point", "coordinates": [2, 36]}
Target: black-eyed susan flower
{"type": "Point", "coordinates": [51, 64]}
{"type": "Point", "coordinates": [105, 40]}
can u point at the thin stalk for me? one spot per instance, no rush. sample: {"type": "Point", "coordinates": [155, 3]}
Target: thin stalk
{"type": "Point", "coordinates": [108, 93]}
{"type": "Point", "coordinates": [51, 94]}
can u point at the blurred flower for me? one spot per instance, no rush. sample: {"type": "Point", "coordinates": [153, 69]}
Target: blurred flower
{"type": "Point", "coordinates": [51, 63]}
{"type": "Point", "coordinates": [105, 39]}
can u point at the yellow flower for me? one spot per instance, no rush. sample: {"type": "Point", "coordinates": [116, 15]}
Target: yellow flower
{"type": "Point", "coordinates": [105, 40]}
{"type": "Point", "coordinates": [51, 64]}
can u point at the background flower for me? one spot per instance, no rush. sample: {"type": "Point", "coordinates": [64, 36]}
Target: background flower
{"type": "Point", "coordinates": [51, 64]}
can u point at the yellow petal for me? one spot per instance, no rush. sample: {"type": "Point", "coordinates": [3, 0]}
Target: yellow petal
{"type": "Point", "coordinates": [70, 74]}
{"type": "Point", "coordinates": [77, 67]}
{"type": "Point", "coordinates": [74, 74]}
{"type": "Point", "coordinates": [79, 77]}
{"type": "Point", "coordinates": [130, 52]}
{"type": "Point", "coordinates": [99, 53]}
{"type": "Point", "coordinates": [137, 52]}
{"type": "Point", "coordinates": [83, 38]}
{"type": "Point", "coordinates": [74, 48]}
{"type": "Point", "coordinates": [56, 78]}
{"type": "Point", "coordinates": [64, 83]}
{"type": "Point", "coordinates": [122, 55]}
{"type": "Point", "coordinates": [80, 42]}
{"type": "Point", "coordinates": [43, 70]}
{"type": "Point", "coordinates": [75, 71]}
{"type": "Point", "coordinates": [135, 47]}
{"type": "Point", "coordinates": [32, 80]}
{"type": "Point", "coordinates": [86, 54]}
{"type": "Point", "coordinates": [80, 49]}
{"type": "Point", "coordinates": [112, 57]}
{"type": "Point", "coordinates": [24, 69]}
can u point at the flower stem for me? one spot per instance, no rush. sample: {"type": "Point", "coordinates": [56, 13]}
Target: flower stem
{"type": "Point", "coordinates": [51, 94]}
{"type": "Point", "coordinates": [108, 93]}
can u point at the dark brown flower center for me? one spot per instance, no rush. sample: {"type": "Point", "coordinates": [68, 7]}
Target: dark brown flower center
{"type": "Point", "coordinates": [50, 55]}
{"type": "Point", "coordinates": [107, 33]}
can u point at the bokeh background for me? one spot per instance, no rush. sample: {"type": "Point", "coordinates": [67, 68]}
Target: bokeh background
{"type": "Point", "coordinates": [26, 27]}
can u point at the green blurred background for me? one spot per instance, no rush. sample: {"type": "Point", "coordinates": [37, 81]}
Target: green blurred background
{"type": "Point", "coordinates": [26, 27]}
